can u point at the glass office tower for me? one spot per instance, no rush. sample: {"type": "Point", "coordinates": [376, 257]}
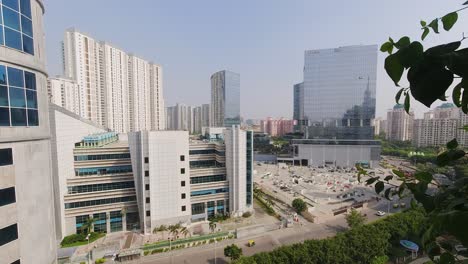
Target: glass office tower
{"type": "Point", "coordinates": [225, 99]}
{"type": "Point", "coordinates": [339, 92]}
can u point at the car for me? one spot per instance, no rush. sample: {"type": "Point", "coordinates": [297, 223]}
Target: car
{"type": "Point", "coordinates": [380, 213]}
{"type": "Point", "coordinates": [460, 249]}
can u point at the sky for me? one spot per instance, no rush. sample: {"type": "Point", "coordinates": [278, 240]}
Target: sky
{"type": "Point", "coordinates": [263, 40]}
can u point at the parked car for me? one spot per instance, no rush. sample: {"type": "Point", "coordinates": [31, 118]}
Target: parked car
{"type": "Point", "coordinates": [380, 213]}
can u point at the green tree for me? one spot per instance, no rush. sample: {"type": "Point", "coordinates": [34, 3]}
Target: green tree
{"type": "Point", "coordinates": [184, 231]}
{"type": "Point", "coordinates": [212, 226]}
{"type": "Point", "coordinates": [233, 252]}
{"type": "Point", "coordinates": [299, 205]}
{"type": "Point", "coordinates": [88, 226]}
{"type": "Point", "coordinates": [355, 218]}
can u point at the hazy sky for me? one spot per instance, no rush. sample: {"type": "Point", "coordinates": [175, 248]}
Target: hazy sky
{"type": "Point", "coordinates": [262, 40]}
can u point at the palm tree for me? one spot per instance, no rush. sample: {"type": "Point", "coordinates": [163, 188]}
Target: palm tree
{"type": "Point", "coordinates": [212, 226]}
{"type": "Point", "coordinates": [174, 230]}
{"type": "Point", "coordinates": [184, 231]}
{"type": "Point", "coordinates": [162, 228]}
{"type": "Point", "coordinates": [88, 226]}
{"type": "Point", "coordinates": [269, 202]}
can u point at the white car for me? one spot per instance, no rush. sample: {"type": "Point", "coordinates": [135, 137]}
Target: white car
{"type": "Point", "coordinates": [380, 213]}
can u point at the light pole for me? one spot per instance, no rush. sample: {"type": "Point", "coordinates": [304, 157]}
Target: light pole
{"type": "Point", "coordinates": [215, 251]}
{"type": "Point", "coordinates": [89, 253]}
{"type": "Point", "coordinates": [170, 248]}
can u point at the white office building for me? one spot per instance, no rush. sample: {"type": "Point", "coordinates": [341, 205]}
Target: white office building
{"type": "Point", "coordinates": [118, 90]}
{"type": "Point", "coordinates": [27, 226]}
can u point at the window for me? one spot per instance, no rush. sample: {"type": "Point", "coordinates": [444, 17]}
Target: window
{"type": "Point", "coordinates": [183, 208]}
{"type": "Point", "coordinates": [182, 171]}
{"type": "Point", "coordinates": [6, 156]}
{"type": "Point", "coordinates": [182, 183]}
{"type": "Point", "coordinates": [8, 234]}
{"type": "Point", "coordinates": [147, 200]}
{"type": "Point", "coordinates": [18, 97]}
{"type": "Point", "coordinates": [183, 196]}
{"type": "Point", "coordinates": [99, 202]}
{"type": "Point", "coordinates": [7, 196]}
{"type": "Point", "coordinates": [146, 160]}
{"type": "Point", "coordinates": [148, 213]}
{"type": "Point", "coordinates": [146, 173]}
{"type": "Point", "coordinates": [182, 158]}
{"type": "Point", "coordinates": [101, 187]}
{"type": "Point", "coordinates": [206, 179]}
{"type": "Point", "coordinates": [17, 25]}
{"type": "Point", "coordinates": [147, 187]}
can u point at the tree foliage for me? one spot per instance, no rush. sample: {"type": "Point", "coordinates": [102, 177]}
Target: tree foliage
{"type": "Point", "coordinates": [299, 205]}
{"type": "Point", "coordinates": [233, 252]}
{"type": "Point", "coordinates": [355, 219]}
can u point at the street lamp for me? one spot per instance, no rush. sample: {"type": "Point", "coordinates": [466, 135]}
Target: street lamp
{"type": "Point", "coordinates": [89, 253]}
{"type": "Point", "coordinates": [215, 251]}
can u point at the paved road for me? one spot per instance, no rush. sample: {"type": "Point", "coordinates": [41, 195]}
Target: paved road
{"type": "Point", "coordinates": [264, 242]}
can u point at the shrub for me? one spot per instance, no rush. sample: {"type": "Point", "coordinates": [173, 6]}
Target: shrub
{"type": "Point", "coordinates": [158, 250]}
{"type": "Point", "coordinates": [246, 214]}
{"type": "Point", "coordinates": [146, 252]}
{"type": "Point", "coordinates": [100, 261]}
{"type": "Point", "coordinates": [219, 239]}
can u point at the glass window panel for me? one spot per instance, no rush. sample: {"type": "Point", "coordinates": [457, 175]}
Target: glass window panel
{"type": "Point", "coordinates": [31, 99]}
{"type": "Point", "coordinates": [30, 80]}
{"type": "Point", "coordinates": [3, 79]}
{"type": "Point", "coordinates": [33, 118]}
{"type": "Point", "coordinates": [26, 25]}
{"type": "Point", "coordinates": [12, 4]}
{"type": "Point", "coordinates": [15, 77]}
{"type": "Point", "coordinates": [26, 7]}
{"type": "Point", "coordinates": [1, 32]}
{"type": "Point", "coordinates": [4, 117]}
{"type": "Point", "coordinates": [11, 19]}
{"type": "Point", "coordinates": [1, 15]}
{"type": "Point", "coordinates": [13, 39]}
{"type": "Point", "coordinates": [17, 97]}
{"type": "Point", "coordinates": [18, 117]}
{"type": "Point", "coordinates": [3, 95]}
{"type": "Point", "coordinates": [28, 45]}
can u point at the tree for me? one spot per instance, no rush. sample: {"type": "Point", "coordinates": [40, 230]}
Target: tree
{"type": "Point", "coordinates": [299, 205]}
{"type": "Point", "coordinates": [355, 218]}
{"type": "Point", "coordinates": [174, 230]}
{"type": "Point", "coordinates": [212, 226]}
{"type": "Point", "coordinates": [233, 251]}
{"type": "Point", "coordinates": [88, 226]}
{"type": "Point", "coordinates": [184, 231]}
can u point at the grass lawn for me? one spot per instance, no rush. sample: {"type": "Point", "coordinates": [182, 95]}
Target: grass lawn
{"type": "Point", "coordinates": [81, 243]}
{"type": "Point", "coordinates": [183, 240]}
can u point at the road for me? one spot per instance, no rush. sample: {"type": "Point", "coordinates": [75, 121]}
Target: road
{"type": "Point", "coordinates": [264, 242]}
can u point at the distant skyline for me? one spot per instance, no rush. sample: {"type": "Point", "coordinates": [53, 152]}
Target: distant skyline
{"type": "Point", "coordinates": [261, 40]}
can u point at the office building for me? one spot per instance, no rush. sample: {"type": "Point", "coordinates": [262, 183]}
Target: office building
{"type": "Point", "coordinates": [27, 226]}
{"type": "Point", "coordinates": [298, 111]}
{"type": "Point", "coordinates": [183, 181]}
{"type": "Point", "coordinates": [440, 126]}
{"type": "Point", "coordinates": [92, 175]}
{"type": "Point", "coordinates": [278, 127]}
{"type": "Point", "coordinates": [116, 89]}
{"type": "Point", "coordinates": [64, 93]}
{"type": "Point", "coordinates": [380, 126]}
{"type": "Point", "coordinates": [399, 124]}
{"type": "Point", "coordinates": [225, 99]}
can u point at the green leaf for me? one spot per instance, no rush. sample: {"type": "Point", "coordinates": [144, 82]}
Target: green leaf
{"type": "Point", "coordinates": [394, 68]}
{"type": "Point", "coordinates": [371, 180]}
{"type": "Point", "coordinates": [391, 40]}
{"type": "Point", "coordinates": [389, 177]}
{"type": "Point", "coordinates": [453, 144]}
{"type": "Point", "coordinates": [399, 174]}
{"type": "Point", "coordinates": [449, 20]}
{"type": "Point", "coordinates": [398, 95]}
{"type": "Point", "coordinates": [387, 193]}
{"type": "Point", "coordinates": [447, 258]}
{"type": "Point", "coordinates": [456, 94]}
{"type": "Point", "coordinates": [448, 156]}
{"type": "Point", "coordinates": [387, 47]}
{"type": "Point", "coordinates": [413, 204]}
{"type": "Point", "coordinates": [403, 42]}
{"type": "Point", "coordinates": [401, 189]}
{"type": "Point", "coordinates": [434, 25]}
{"type": "Point", "coordinates": [425, 33]}
{"type": "Point", "coordinates": [411, 54]}
{"type": "Point", "coordinates": [379, 186]}
{"type": "Point", "coordinates": [423, 23]}
{"type": "Point", "coordinates": [464, 101]}
{"type": "Point", "coordinates": [407, 103]}
{"type": "Point", "coordinates": [443, 49]}
{"type": "Point", "coordinates": [423, 176]}
{"type": "Point", "coordinates": [465, 127]}
{"type": "Point", "coordinates": [457, 62]}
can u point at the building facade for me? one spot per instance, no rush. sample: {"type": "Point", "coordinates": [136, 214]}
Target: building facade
{"type": "Point", "coordinates": [64, 93]}
{"type": "Point", "coordinates": [339, 92]}
{"type": "Point", "coordinates": [399, 124]}
{"type": "Point", "coordinates": [277, 128]}
{"type": "Point", "coordinates": [225, 99]}
{"type": "Point", "coordinates": [116, 89]}
{"type": "Point", "coordinates": [298, 103]}
{"type": "Point", "coordinates": [27, 229]}
{"type": "Point", "coordinates": [180, 117]}
{"type": "Point", "coordinates": [380, 126]}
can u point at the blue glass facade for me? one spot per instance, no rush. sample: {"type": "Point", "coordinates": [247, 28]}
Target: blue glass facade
{"type": "Point", "coordinates": [99, 202]}
{"type": "Point", "coordinates": [208, 192]}
{"type": "Point", "coordinates": [103, 170]}
{"type": "Point", "coordinates": [249, 167]}
{"type": "Point", "coordinates": [225, 99]}
{"type": "Point", "coordinates": [16, 30]}
{"type": "Point", "coordinates": [18, 97]}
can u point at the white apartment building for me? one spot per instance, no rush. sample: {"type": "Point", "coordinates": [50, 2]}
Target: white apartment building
{"type": "Point", "coordinates": [399, 124]}
{"type": "Point", "coordinates": [439, 126]}
{"type": "Point", "coordinates": [64, 93]}
{"type": "Point", "coordinates": [180, 117]}
{"type": "Point", "coordinates": [27, 226]}
{"type": "Point", "coordinates": [118, 90]}
{"type": "Point", "coordinates": [380, 126]}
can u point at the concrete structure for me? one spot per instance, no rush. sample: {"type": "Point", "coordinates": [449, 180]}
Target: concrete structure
{"type": "Point", "coordinates": [64, 93]}
{"type": "Point", "coordinates": [27, 226]}
{"type": "Point", "coordinates": [339, 92]}
{"type": "Point", "coordinates": [183, 181]}
{"type": "Point", "coordinates": [201, 118]}
{"type": "Point", "coordinates": [278, 127]}
{"type": "Point", "coordinates": [225, 99]}
{"type": "Point", "coordinates": [399, 124]}
{"type": "Point", "coordinates": [180, 117]}
{"type": "Point", "coordinates": [380, 126]}
{"type": "Point", "coordinates": [330, 152]}
{"type": "Point", "coordinates": [298, 103]}
{"type": "Point", "coordinates": [116, 89]}
{"type": "Point", "coordinates": [439, 126]}
{"type": "Point", "coordinates": [90, 165]}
